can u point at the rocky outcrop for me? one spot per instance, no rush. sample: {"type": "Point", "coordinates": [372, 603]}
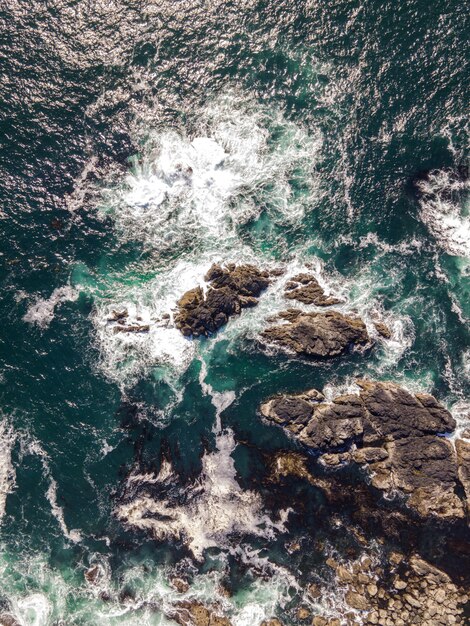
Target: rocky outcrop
{"type": "Point", "coordinates": [318, 335]}
{"type": "Point", "coordinates": [120, 322]}
{"type": "Point", "coordinates": [306, 289]}
{"type": "Point", "coordinates": [396, 436]}
{"type": "Point", "coordinates": [231, 288]}
{"type": "Point", "coordinates": [383, 330]}
{"type": "Point", "coordinates": [399, 592]}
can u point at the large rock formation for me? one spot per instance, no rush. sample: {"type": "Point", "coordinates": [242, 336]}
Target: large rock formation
{"type": "Point", "coordinates": [320, 335]}
{"type": "Point", "coordinates": [396, 435]}
{"type": "Point", "coordinates": [231, 288]}
{"type": "Point", "coordinates": [398, 592]}
{"type": "Point", "coordinates": [306, 289]}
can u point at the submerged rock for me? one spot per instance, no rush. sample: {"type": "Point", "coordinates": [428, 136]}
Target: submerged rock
{"type": "Point", "coordinates": [306, 289]}
{"type": "Point", "coordinates": [231, 288]}
{"type": "Point", "coordinates": [394, 434]}
{"type": "Point", "coordinates": [320, 335]}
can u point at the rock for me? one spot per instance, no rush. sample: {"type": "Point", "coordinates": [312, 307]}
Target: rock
{"type": "Point", "coordinates": [131, 328]}
{"type": "Point", "coordinates": [8, 620]}
{"type": "Point", "coordinates": [314, 591]}
{"type": "Point", "coordinates": [344, 574]}
{"type": "Point", "coordinates": [318, 335]}
{"type": "Point", "coordinates": [305, 289]}
{"type": "Point", "coordinates": [194, 613]}
{"type": "Point", "coordinates": [420, 567]}
{"type": "Point", "coordinates": [231, 288]}
{"type": "Point", "coordinates": [303, 613]}
{"type": "Point", "coordinates": [93, 574]}
{"type": "Point", "coordinates": [271, 622]}
{"type": "Point", "coordinates": [115, 316]}
{"type": "Point", "coordinates": [463, 462]}
{"type": "Point", "coordinates": [400, 584]}
{"type": "Point", "coordinates": [372, 589]}
{"type": "Point", "coordinates": [466, 433]}
{"type": "Point", "coordinates": [369, 455]}
{"type": "Point", "coordinates": [395, 557]}
{"type": "Point", "coordinates": [383, 330]}
{"type": "Point", "coordinates": [318, 620]}
{"type": "Point", "coordinates": [333, 460]}
{"type": "Point", "coordinates": [391, 431]}
{"type": "Point", "coordinates": [179, 584]}
{"type": "Point", "coordinates": [357, 601]}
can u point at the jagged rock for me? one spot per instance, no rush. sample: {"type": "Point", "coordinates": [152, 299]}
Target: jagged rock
{"type": "Point", "coordinates": [319, 335]}
{"type": "Point", "coordinates": [271, 622]}
{"type": "Point", "coordinates": [428, 597]}
{"type": "Point", "coordinates": [383, 330]}
{"type": "Point", "coordinates": [179, 584]}
{"type": "Point", "coordinates": [230, 289]}
{"type": "Point", "coordinates": [115, 316]}
{"type": "Point", "coordinates": [131, 328]}
{"type": "Point", "coordinates": [395, 436]}
{"type": "Point", "coordinates": [305, 289]}
{"type": "Point", "coordinates": [93, 574]}
{"type": "Point", "coordinates": [8, 620]}
{"type": "Point", "coordinates": [194, 613]}
{"type": "Point", "coordinates": [463, 462]}
{"type": "Point", "coordinates": [357, 601]}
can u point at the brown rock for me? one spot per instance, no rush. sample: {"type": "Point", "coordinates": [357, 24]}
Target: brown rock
{"type": "Point", "coordinates": [357, 601]}
{"type": "Point", "coordinates": [314, 591]}
{"type": "Point", "coordinates": [194, 613]}
{"type": "Point", "coordinates": [394, 432]}
{"type": "Point", "coordinates": [463, 462]}
{"type": "Point", "coordinates": [303, 613]}
{"type": "Point", "coordinates": [372, 589]}
{"type": "Point", "coordinates": [180, 584]}
{"type": "Point", "coordinates": [305, 289]}
{"type": "Point", "coordinates": [318, 335]}
{"type": "Point", "coordinates": [271, 622]}
{"type": "Point", "coordinates": [8, 620]}
{"type": "Point", "coordinates": [383, 330]}
{"type": "Point", "coordinates": [230, 289]}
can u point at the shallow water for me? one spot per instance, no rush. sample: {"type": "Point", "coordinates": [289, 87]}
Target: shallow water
{"type": "Point", "coordinates": [141, 142]}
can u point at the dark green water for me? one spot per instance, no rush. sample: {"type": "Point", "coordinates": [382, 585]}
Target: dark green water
{"type": "Point", "coordinates": [332, 133]}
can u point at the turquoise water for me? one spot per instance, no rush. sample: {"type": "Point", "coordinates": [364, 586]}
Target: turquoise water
{"type": "Point", "coordinates": [140, 142]}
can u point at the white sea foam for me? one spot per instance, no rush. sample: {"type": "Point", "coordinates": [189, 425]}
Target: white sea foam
{"type": "Point", "coordinates": [41, 312]}
{"type": "Point", "coordinates": [200, 187]}
{"type": "Point", "coordinates": [445, 210]}
{"type": "Point", "coordinates": [33, 447]}
{"type": "Point", "coordinates": [216, 507]}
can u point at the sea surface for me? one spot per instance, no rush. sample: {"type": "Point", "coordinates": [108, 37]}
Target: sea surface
{"type": "Point", "coordinates": [141, 141]}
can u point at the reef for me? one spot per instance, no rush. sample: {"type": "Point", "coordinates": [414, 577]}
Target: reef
{"type": "Point", "coordinates": [230, 289]}
{"type": "Point", "coordinates": [396, 437]}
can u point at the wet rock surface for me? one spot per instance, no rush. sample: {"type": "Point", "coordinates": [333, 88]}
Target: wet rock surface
{"type": "Point", "coordinates": [120, 322]}
{"type": "Point", "coordinates": [318, 335]}
{"type": "Point", "coordinates": [231, 288]}
{"type": "Point", "coordinates": [399, 591]}
{"type": "Point", "coordinates": [195, 613]}
{"type": "Point", "coordinates": [394, 435]}
{"type": "Point", "coordinates": [306, 289]}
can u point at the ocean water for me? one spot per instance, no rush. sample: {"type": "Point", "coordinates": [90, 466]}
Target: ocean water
{"type": "Point", "coordinates": [140, 142]}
